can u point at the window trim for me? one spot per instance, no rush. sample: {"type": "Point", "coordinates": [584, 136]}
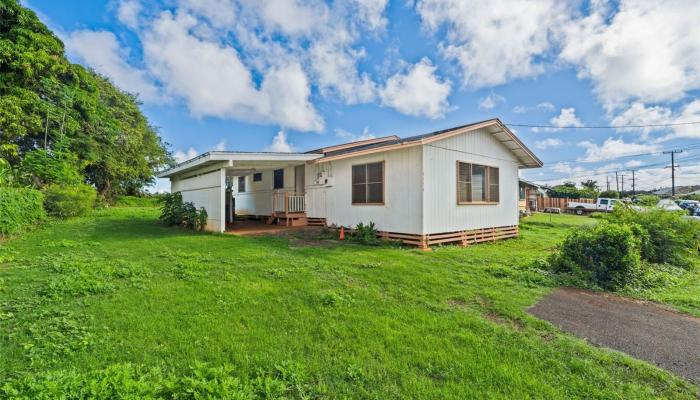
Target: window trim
{"type": "Point", "coordinates": [241, 180]}
{"type": "Point", "coordinates": [366, 184]}
{"type": "Point", "coordinates": [487, 176]}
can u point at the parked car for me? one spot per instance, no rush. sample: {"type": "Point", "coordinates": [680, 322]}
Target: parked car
{"type": "Point", "coordinates": [686, 204]}
{"type": "Point", "coordinates": [601, 205]}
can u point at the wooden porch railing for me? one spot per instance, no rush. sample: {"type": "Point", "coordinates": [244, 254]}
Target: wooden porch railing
{"type": "Point", "coordinates": [288, 202]}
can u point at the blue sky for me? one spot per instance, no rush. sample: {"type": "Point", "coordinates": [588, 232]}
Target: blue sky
{"type": "Point", "coordinates": [286, 75]}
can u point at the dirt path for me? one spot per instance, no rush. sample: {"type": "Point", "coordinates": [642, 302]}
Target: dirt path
{"type": "Point", "coordinates": [641, 329]}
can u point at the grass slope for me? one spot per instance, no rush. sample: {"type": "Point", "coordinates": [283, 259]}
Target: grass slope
{"type": "Point", "coordinates": [116, 290]}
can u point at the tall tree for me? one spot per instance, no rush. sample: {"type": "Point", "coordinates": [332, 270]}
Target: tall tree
{"type": "Point", "coordinates": [45, 99]}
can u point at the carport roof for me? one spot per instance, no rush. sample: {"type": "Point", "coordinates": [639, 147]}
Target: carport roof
{"type": "Point", "coordinates": [233, 159]}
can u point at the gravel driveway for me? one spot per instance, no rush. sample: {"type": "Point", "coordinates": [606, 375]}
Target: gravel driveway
{"type": "Point", "coordinates": [641, 329]}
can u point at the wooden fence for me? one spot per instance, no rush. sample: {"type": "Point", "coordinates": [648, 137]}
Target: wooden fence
{"type": "Point", "coordinates": [544, 202]}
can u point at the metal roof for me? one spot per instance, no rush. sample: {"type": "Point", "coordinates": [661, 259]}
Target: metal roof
{"type": "Point", "coordinates": [526, 157]}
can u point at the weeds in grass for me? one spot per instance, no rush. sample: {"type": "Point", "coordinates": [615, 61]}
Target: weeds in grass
{"type": "Point", "coordinates": [287, 381]}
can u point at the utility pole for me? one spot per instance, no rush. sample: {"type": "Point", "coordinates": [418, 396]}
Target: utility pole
{"type": "Point", "coordinates": [607, 182]}
{"type": "Point", "coordinates": [617, 184]}
{"type": "Point", "coordinates": [622, 193]}
{"type": "Point", "coordinates": [634, 191]}
{"type": "Point", "coordinates": [673, 169]}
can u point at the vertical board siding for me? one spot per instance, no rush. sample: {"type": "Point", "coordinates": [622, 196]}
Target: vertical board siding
{"type": "Point", "coordinates": [440, 210]}
{"type": "Point", "coordinates": [204, 191]}
{"type": "Point", "coordinates": [257, 198]}
{"type": "Point", "coordinates": [401, 211]}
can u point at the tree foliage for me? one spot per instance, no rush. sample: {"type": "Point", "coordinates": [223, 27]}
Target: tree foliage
{"type": "Point", "coordinates": [45, 101]}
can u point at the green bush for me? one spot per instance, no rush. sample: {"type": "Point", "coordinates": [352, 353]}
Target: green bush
{"type": "Point", "coordinates": [648, 200]}
{"type": "Point", "coordinates": [139, 201]}
{"type": "Point", "coordinates": [665, 237]}
{"type": "Point", "coordinates": [609, 194]}
{"type": "Point", "coordinates": [606, 255]}
{"type": "Point", "coordinates": [69, 201]}
{"type": "Point", "coordinates": [366, 234]}
{"type": "Point", "coordinates": [19, 208]}
{"type": "Point", "coordinates": [176, 212]}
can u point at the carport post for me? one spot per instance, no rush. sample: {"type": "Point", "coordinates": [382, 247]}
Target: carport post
{"type": "Point", "coordinates": [222, 200]}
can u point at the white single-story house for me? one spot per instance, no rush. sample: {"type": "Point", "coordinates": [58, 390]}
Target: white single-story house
{"type": "Point", "coordinates": [455, 185]}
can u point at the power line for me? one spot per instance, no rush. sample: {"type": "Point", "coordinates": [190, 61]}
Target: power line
{"type": "Point", "coordinates": [603, 172]}
{"type": "Point", "coordinates": [692, 146]}
{"type": "Point", "coordinates": [605, 126]}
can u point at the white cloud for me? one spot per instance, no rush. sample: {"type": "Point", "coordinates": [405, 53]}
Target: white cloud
{"type": "Point", "coordinates": [101, 51]}
{"type": "Point", "coordinates": [689, 113]}
{"type": "Point", "coordinates": [490, 101]}
{"type": "Point", "coordinates": [633, 163]}
{"type": "Point", "coordinates": [543, 106]}
{"type": "Point", "coordinates": [280, 144]}
{"type": "Point", "coordinates": [335, 70]}
{"type": "Point", "coordinates": [221, 146]}
{"type": "Point", "coordinates": [648, 50]}
{"type": "Point", "coordinates": [353, 137]}
{"type": "Point", "coordinates": [548, 143]}
{"type": "Point", "coordinates": [181, 156]}
{"type": "Point", "coordinates": [495, 41]}
{"type": "Point", "coordinates": [566, 118]}
{"type": "Point", "coordinates": [639, 114]}
{"type": "Point", "coordinates": [221, 13]}
{"type": "Point", "coordinates": [613, 148]}
{"type": "Point", "coordinates": [371, 12]}
{"type": "Point", "coordinates": [213, 80]}
{"type": "Point", "coordinates": [128, 12]}
{"type": "Point", "coordinates": [418, 91]}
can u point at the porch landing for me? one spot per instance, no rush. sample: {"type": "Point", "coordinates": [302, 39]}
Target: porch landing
{"type": "Point", "coordinates": [255, 228]}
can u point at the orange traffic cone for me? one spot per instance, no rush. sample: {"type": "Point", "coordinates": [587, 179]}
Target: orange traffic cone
{"type": "Point", "coordinates": [342, 233]}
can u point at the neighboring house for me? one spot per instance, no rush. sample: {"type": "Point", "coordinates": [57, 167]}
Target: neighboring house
{"type": "Point", "coordinates": [527, 201]}
{"type": "Point", "coordinates": [454, 185]}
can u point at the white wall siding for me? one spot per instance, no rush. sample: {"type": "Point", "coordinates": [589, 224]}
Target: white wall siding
{"type": "Point", "coordinates": [440, 208]}
{"type": "Point", "coordinates": [208, 191]}
{"type": "Point", "coordinates": [257, 199]}
{"type": "Point", "coordinates": [402, 207]}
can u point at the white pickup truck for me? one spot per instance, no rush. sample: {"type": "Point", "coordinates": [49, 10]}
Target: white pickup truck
{"type": "Point", "coordinates": [601, 205]}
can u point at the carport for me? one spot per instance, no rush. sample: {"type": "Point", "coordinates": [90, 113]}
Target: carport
{"type": "Point", "coordinates": [203, 179]}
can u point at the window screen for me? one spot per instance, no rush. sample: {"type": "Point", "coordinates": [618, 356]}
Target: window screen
{"type": "Point", "coordinates": [257, 177]}
{"type": "Point", "coordinates": [477, 183]}
{"type": "Point", "coordinates": [278, 179]}
{"type": "Point", "coordinates": [241, 184]}
{"type": "Point", "coordinates": [368, 183]}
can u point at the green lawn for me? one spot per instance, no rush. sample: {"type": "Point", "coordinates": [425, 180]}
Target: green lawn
{"type": "Point", "coordinates": [116, 290]}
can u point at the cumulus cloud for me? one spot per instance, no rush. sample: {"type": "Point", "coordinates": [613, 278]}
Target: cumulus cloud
{"type": "Point", "coordinates": [490, 101]}
{"type": "Point", "coordinates": [417, 91]}
{"type": "Point", "coordinates": [182, 156]}
{"type": "Point", "coordinates": [128, 12]}
{"type": "Point", "coordinates": [280, 144]}
{"type": "Point", "coordinates": [495, 41]}
{"type": "Point", "coordinates": [101, 51]}
{"type": "Point", "coordinates": [614, 148]}
{"type": "Point", "coordinates": [223, 86]}
{"type": "Point", "coordinates": [639, 114]}
{"type": "Point", "coordinates": [566, 118]}
{"type": "Point", "coordinates": [549, 143]}
{"type": "Point", "coordinates": [646, 50]}
{"type": "Point", "coordinates": [353, 137]}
